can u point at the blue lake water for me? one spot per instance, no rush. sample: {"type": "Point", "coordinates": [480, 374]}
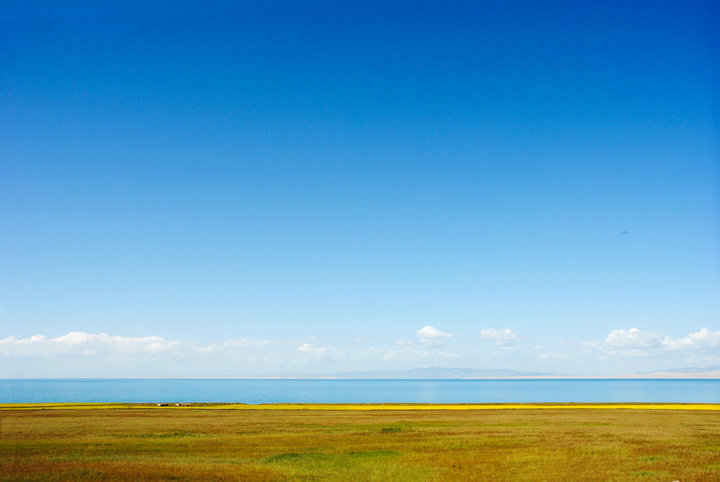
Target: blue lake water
{"type": "Point", "coordinates": [358, 391]}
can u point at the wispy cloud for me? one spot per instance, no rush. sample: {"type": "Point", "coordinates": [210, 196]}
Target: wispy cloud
{"type": "Point", "coordinates": [81, 343]}
{"type": "Point", "coordinates": [704, 339]}
{"type": "Point", "coordinates": [254, 343]}
{"type": "Point", "coordinates": [499, 336]}
{"type": "Point", "coordinates": [645, 343]}
{"type": "Point", "coordinates": [310, 348]}
{"type": "Point", "coordinates": [78, 354]}
{"type": "Point", "coordinates": [66, 355]}
{"type": "Point", "coordinates": [634, 338]}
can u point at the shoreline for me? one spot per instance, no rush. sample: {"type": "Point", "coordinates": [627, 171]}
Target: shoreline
{"type": "Point", "coordinates": [659, 376]}
{"type": "Point", "coordinates": [364, 406]}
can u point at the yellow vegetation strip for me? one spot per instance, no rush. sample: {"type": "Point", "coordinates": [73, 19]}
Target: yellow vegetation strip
{"type": "Point", "coordinates": [366, 407]}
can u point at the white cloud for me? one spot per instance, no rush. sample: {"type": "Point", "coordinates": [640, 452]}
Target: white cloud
{"type": "Point", "coordinates": [499, 336]}
{"type": "Point", "coordinates": [81, 343]}
{"type": "Point", "coordinates": [634, 338]}
{"type": "Point", "coordinates": [80, 354]}
{"type": "Point", "coordinates": [635, 342]}
{"type": "Point", "coordinates": [430, 334]}
{"type": "Point", "coordinates": [253, 343]}
{"type": "Point", "coordinates": [69, 355]}
{"type": "Point", "coordinates": [308, 348]}
{"type": "Point", "coordinates": [701, 340]}
{"type": "Point", "coordinates": [551, 356]}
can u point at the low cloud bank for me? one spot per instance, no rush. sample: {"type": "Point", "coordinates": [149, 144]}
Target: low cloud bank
{"type": "Point", "coordinates": [80, 354]}
{"type": "Point", "coordinates": [639, 341]}
{"type": "Point", "coordinates": [81, 343]}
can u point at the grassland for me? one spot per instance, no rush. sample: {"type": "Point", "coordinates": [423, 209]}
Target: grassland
{"type": "Point", "coordinates": [316, 442]}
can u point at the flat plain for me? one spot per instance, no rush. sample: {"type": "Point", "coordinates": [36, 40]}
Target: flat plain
{"type": "Point", "coordinates": [137, 442]}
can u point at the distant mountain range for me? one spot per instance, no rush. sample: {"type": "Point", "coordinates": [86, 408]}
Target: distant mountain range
{"type": "Point", "coordinates": [435, 373]}
{"type": "Point", "coordinates": [688, 372]}
{"type": "Point", "coordinates": [441, 373]}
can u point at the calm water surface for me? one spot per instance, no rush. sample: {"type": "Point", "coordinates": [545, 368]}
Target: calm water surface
{"type": "Point", "coordinates": [358, 391]}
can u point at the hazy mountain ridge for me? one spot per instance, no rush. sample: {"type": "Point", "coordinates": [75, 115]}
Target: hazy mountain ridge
{"type": "Point", "coordinates": [441, 373]}
{"type": "Point", "coordinates": [688, 372]}
{"type": "Point", "coordinates": [685, 370]}
{"type": "Point", "coordinates": [434, 373]}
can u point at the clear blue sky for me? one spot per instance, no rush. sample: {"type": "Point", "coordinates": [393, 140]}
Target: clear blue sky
{"type": "Point", "coordinates": [302, 187]}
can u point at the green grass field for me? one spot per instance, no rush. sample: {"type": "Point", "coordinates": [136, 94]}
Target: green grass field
{"type": "Point", "coordinates": [354, 443]}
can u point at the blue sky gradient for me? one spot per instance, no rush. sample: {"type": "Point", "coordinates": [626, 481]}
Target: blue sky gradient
{"type": "Point", "coordinates": [339, 175]}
